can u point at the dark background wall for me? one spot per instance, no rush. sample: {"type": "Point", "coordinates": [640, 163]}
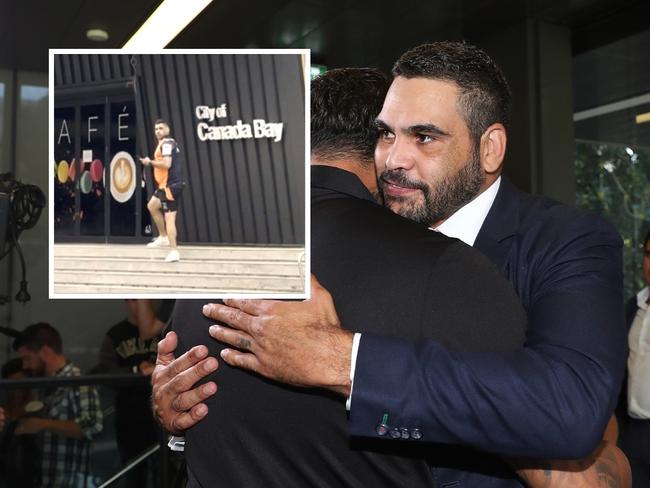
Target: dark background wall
{"type": "Point", "coordinates": [246, 191]}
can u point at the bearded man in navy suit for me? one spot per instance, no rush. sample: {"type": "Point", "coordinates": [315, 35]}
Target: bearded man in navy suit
{"type": "Point", "coordinates": [442, 137]}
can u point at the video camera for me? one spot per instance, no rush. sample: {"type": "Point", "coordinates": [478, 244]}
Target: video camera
{"type": "Point", "coordinates": [20, 208]}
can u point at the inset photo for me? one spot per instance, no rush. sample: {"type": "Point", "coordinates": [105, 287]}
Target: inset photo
{"type": "Point", "coordinates": [179, 173]}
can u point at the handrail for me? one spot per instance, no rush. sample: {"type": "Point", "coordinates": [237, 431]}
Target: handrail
{"type": "Point", "coordinates": [90, 379]}
{"type": "Point", "coordinates": [130, 466]}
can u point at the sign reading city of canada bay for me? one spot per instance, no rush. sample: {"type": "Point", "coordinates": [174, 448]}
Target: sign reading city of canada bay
{"type": "Point", "coordinates": [259, 129]}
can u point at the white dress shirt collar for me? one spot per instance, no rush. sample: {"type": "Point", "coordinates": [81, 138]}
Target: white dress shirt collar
{"type": "Point", "coordinates": [466, 222]}
{"type": "Point", "coordinates": [642, 298]}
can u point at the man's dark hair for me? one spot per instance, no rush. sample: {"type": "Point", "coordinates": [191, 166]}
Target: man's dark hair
{"type": "Point", "coordinates": [647, 238]}
{"type": "Point", "coordinates": [162, 121]}
{"type": "Point", "coordinates": [344, 105]}
{"type": "Point", "coordinates": [485, 96]}
{"type": "Point", "coordinates": [38, 335]}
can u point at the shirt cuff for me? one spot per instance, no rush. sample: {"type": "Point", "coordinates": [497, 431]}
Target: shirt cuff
{"type": "Point", "coordinates": [176, 443]}
{"type": "Point", "coordinates": [353, 364]}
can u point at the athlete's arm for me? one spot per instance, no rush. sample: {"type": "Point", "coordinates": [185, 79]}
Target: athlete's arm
{"type": "Point", "coordinates": [165, 162]}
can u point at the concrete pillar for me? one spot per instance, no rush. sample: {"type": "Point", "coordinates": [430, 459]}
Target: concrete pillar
{"type": "Point", "coordinates": [537, 60]}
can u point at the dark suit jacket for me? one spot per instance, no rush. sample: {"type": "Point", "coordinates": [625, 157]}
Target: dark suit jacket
{"type": "Point", "coordinates": [631, 308]}
{"type": "Point", "coordinates": [387, 275]}
{"type": "Point", "coordinates": [551, 399]}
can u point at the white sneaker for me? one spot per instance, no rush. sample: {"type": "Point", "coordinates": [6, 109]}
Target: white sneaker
{"type": "Point", "coordinates": [159, 241]}
{"type": "Point", "coordinates": [173, 256]}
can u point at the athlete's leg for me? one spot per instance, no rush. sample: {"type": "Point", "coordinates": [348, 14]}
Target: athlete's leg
{"type": "Point", "coordinates": [155, 209]}
{"type": "Point", "coordinates": [172, 200]}
{"type": "Point", "coordinates": [170, 224]}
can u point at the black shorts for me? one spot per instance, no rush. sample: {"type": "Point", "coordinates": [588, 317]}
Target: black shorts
{"type": "Point", "coordinates": [169, 198]}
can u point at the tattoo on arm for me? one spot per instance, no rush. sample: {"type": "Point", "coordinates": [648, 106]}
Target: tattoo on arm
{"type": "Point", "coordinates": [603, 469]}
{"type": "Point", "coordinates": [607, 469]}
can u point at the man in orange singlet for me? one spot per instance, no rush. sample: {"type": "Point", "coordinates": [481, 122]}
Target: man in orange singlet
{"type": "Point", "coordinates": [163, 205]}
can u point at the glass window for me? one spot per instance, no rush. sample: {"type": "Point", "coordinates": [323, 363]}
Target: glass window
{"type": "Point", "coordinates": [2, 121]}
{"type": "Point", "coordinates": [31, 93]}
{"type": "Point", "coordinates": [6, 82]}
{"type": "Point", "coordinates": [91, 175]}
{"type": "Point", "coordinates": [612, 127]}
{"type": "Point", "coordinates": [122, 171]}
{"type": "Point", "coordinates": [66, 171]}
{"type": "Point", "coordinates": [32, 129]}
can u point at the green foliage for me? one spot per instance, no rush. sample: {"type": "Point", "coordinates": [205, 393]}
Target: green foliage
{"type": "Point", "coordinates": [614, 181]}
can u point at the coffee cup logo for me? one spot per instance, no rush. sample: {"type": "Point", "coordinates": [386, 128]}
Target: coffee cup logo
{"type": "Point", "coordinates": [122, 170]}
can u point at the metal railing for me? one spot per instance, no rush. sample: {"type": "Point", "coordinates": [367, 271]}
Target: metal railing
{"type": "Point", "coordinates": [89, 379]}
{"type": "Point", "coordinates": [111, 380]}
{"type": "Point", "coordinates": [131, 465]}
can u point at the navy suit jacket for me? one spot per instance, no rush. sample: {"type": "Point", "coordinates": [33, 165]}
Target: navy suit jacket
{"type": "Point", "coordinates": [631, 308]}
{"type": "Point", "coordinates": [550, 399]}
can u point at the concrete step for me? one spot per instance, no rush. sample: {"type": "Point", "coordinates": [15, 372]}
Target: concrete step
{"type": "Point", "coordinates": [180, 281]}
{"type": "Point", "coordinates": [122, 269]}
{"type": "Point", "coordinates": [187, 266]}
{"type": "Point", "coordinates": [128, 251]}
{"type": "Point", "coordinates": [123, 290]}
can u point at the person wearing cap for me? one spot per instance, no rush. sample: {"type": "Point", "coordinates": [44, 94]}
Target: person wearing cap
{"type": "Point", "coordinates": [70, 417]}
{"type": "Point", "coordinates": [163, 205]}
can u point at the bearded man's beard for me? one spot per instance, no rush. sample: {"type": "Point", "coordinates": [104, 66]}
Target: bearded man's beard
{"type": "Point", "coordinates": [437, 203]}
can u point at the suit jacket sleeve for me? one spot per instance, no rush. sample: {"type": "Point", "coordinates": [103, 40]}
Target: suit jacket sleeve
{"type": "Point", "coordinates": [631, 308]}
{"type": "Point", "coordinates": [549, 399]}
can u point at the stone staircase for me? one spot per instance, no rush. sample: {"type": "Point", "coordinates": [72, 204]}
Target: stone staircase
{"type": "Point", "coordinates": [126, 269]}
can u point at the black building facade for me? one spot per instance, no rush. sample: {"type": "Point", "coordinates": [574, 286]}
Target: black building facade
{"type": "Point", "coordinates": [239, 120]}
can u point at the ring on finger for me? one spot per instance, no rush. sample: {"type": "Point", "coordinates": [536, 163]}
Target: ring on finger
{"type": "Point", "coordinates": [175, 405]}
{"type": "Point", "coordinates": [245, 344]}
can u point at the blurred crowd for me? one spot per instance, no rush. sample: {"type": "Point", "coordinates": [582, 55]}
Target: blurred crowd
{"type": "Point", "coordinates": [50, 436]}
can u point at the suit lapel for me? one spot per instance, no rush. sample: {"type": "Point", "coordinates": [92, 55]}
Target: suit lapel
{"type": "Point", "coordinates": [494, 239]}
